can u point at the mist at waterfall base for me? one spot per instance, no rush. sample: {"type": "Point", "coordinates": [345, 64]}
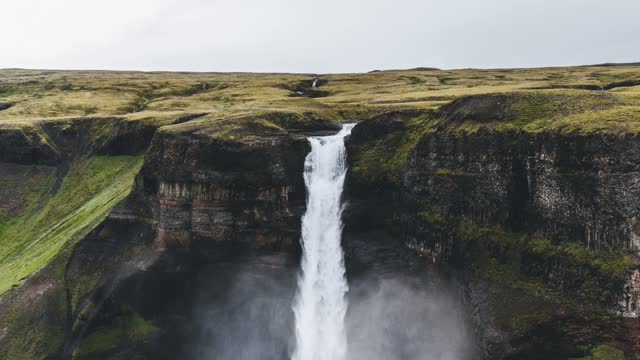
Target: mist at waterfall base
{"type": "Point", "coordinates": [266, 308]}
{"type": "Point", "coordinates": [392, 317]}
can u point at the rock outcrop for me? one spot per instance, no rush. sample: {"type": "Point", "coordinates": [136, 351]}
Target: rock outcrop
{"type": "Point", "coordinates": [547, 220]}
{"type": "Point", "coordinates": [204, 189]}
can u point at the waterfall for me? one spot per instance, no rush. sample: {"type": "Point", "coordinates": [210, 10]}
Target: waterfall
{"type": "Point", "coordinates": [315, 83]}
{"type": "Point", "coordinates": [320, 304]}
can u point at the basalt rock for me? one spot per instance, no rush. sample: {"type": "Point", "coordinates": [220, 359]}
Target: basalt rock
{"type": "Point", "coordinates": [24, 147]}
{"type": "Point", "coordinates": [564, 188]}
{"type": "Point", "coordinates": [210, 190]}
{"type": "Point", "coordinates": [511, 209]}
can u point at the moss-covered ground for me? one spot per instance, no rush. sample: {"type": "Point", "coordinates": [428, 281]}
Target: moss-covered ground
{"type": "Point", "coordinates": [54, 214]}
{"type": "Point", "coordinates": [123, 329]}
{"type": "Point", "coordinates": [565, 273]}
{"type": "Point", "coordinates": [541, 287]}
{"type": "Point", "coordinates": [37, 94]}
{"type": "Point", "coordinates": [603, 352]}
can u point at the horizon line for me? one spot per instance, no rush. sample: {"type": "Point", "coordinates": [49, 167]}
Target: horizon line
{"type": "Point", "coordinates": [418, 68]}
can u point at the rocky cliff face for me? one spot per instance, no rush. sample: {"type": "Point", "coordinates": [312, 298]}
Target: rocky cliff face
{"type": "Point", "coordinates": [575, 188]}
{"type": "Point", "coordinates": [547, 220]}
{"type": "Point", "coordinates": [207, 190]}
{"type": "Point", "coordinates": [564, 188]}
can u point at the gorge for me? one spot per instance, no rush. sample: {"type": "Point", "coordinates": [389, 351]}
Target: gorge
{"type": "Point", "coordinates": [485, 214]}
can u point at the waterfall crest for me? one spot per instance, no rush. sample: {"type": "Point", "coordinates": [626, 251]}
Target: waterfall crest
{"type": "Point", "coordinates": [320, 304]}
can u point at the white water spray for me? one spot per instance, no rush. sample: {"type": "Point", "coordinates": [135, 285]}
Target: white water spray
{"type": "Point", "coordinates": [320, 305]}
{"type": "Point", "coordinates": [315, 83]}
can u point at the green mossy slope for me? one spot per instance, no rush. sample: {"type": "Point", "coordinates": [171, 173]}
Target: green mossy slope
{"type": "Point", "coordinates": [53, 216]}
{"type": "Point", "coordinates": [109, 340]}
{"type": "Point", "coordinates": [566, 273]}
{"type": "Point", "coordinates": [560, 111]}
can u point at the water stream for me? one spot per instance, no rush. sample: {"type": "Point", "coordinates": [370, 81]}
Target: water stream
{"type": "Point", "coordinates": [320, 305]}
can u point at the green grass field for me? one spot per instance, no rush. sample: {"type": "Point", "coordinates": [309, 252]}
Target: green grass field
{"type": "Point", "coordinates": [49, 218]}
{"type": "Point", "coordinates": [40, 94]}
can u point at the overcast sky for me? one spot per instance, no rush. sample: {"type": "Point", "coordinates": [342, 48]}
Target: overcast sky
{"type": "Point", "coordinates": [315, 36]}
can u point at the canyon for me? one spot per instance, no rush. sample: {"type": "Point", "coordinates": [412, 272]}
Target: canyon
{"type": "Point", "coordinates": [500, 219]}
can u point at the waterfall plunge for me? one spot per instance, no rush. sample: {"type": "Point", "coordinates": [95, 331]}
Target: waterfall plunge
{"type": "Point", "coordinates": [320, 305]}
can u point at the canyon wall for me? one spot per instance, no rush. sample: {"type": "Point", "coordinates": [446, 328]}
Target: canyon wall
{"type": "Point", "coordinates": [547, 220]}
{"type": "Point", "coordinates": [541, 229]}
{"type": "Point", "coordinates": [199, 198]}
{"type": "Point", "coordinates": [251, 193]}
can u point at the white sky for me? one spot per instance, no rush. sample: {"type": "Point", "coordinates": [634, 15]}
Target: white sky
{"type": "Point", "coordinates": [315, 36]}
